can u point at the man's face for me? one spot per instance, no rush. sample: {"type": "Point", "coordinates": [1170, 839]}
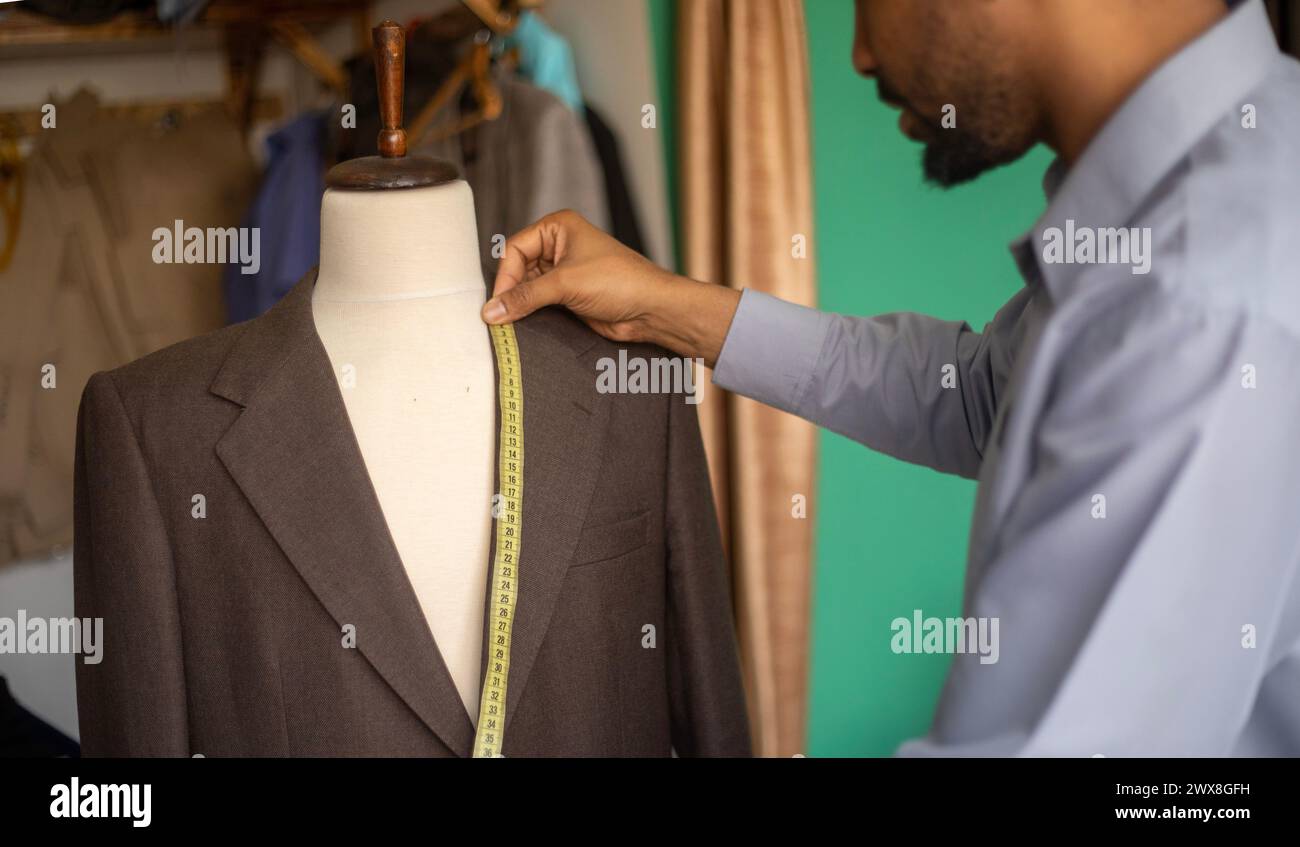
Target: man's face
{"type": "Point", "coordinates": [951, 66]}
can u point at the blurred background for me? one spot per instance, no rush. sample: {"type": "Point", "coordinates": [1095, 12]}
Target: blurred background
{"type": "Point", "coordinates": [728, 139]}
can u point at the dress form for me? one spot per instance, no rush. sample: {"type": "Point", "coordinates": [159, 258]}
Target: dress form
{"type": "Point", "coordinates": [396, 305]}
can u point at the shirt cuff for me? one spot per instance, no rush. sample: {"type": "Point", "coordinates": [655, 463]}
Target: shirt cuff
{"type": "Point", "coordinates": [771, 350]}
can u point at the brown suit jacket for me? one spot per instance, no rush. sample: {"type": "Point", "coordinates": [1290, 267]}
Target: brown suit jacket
{"type": "Point", "coordinates": [223, 635]}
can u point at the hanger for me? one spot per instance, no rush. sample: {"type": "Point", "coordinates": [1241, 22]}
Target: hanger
{"type": "Point", "coordinates": [308, 51]}
{"type": "Point", "coordinates": [474, 71]}
{"type": "Point", "coordinates": [492, 19]}
{"type": "Point", "coordinates": [500, 17]}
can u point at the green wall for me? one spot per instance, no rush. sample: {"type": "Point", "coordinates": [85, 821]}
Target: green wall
{"type": "Point", "coordinates": [890, 537]}
{"type": "Point", "coordinates": [663, 23]}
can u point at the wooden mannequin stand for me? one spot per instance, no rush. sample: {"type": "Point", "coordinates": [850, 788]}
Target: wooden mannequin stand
{"type": "Point", "coordinates": [392, 168]}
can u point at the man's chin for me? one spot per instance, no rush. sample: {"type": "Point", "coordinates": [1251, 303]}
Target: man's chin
{"type": "Point", "coordinates": [952, 161]}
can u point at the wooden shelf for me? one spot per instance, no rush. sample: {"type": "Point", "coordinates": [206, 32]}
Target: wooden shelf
{"type": "Point", "coordinates": [21, 28]}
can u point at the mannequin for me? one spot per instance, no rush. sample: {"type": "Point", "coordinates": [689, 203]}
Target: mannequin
{"type": "Point", "coordinates": [396, 306]}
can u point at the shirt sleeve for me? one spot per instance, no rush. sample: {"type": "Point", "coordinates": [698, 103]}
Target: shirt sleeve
{"type": "Point", "coordinates": [1143, 571]}
{"type": "Point", "coordinates": [914, 387]}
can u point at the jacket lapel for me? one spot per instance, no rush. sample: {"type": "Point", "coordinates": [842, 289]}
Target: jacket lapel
{"type": "Point", "coordinates": [294, 455]}
{"type": "Point", "coordinates": [565, 422]}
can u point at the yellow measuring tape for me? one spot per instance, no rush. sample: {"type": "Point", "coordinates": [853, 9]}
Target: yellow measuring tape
{"type": "Point", "coordinates": [490, 735]}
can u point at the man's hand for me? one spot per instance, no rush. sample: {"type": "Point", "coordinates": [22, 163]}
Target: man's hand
{"type": "Point", "coordinates": [562, 259]}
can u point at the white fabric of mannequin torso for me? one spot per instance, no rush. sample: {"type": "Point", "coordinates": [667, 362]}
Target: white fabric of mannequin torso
{"type": "Point", "coordinates": [396, 306]}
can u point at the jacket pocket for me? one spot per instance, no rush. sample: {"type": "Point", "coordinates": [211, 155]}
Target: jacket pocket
{"type": "Point", "coordinates": [609, 541]}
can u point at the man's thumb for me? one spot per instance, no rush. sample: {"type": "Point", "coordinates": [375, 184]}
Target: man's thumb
{"type": "Point", "coordinates": [522, 300]}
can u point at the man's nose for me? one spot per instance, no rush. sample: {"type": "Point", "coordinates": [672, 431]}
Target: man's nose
{"type": "Point", "coordinates": [863, 61]}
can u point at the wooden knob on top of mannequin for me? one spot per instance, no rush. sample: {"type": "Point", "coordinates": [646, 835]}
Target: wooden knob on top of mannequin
{"type": "Point", "coordinates": [392, 168]}
{"type": "Point", "coordinates": [390, 74]}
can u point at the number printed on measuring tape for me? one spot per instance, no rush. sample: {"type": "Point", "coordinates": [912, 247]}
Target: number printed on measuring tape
{"type": "Point", "coordinates": [490, 735]}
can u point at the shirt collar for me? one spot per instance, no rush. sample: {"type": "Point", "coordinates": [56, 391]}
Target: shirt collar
{"type": "Point", "coordinates": [1150, 133]}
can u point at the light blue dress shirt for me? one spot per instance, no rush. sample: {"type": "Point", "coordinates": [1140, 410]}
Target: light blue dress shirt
{"type": "Point", "coordinates": [1136, 436]}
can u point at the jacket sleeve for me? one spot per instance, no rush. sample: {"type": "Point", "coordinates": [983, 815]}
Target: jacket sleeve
{"type": "Point", "coordinates": [913, 387]}
{"type": "Point", "coordinates": [132, 701]}
{"type": "Point", "coordinates": [706, 691]}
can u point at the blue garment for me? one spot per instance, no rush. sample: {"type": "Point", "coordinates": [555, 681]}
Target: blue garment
{"type": "Point", "coordinates": [1132, 424]}
{"type": "Point", "coordinates": [287, 210]}
{"type": "Point", "coordinates": [179, 11]}
{"type": "Point", "coordinates": [546, 60]}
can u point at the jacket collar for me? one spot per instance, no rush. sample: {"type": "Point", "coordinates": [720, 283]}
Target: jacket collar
{"type": "Point", "coordinates": [293, 453]}
{"type": "Point", "coordinates": [1204, 83]}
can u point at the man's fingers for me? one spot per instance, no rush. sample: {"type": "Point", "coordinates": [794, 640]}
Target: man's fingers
{"type": "Point", "coordinates": [540, 242]}
{"type": "Point", "coordinates": [522, 249]}
{"type": "Point", "coordinates": [522, 300]}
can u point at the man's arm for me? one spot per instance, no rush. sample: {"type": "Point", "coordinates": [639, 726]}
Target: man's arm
{"type": "Point", "coordinates": [914, 387]}
{"type": "Point", "coordinates": [911, 386]}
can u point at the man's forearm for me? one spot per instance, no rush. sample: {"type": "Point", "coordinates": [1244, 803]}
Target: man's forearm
{"type": "Point", "coordinates": [692, 318]}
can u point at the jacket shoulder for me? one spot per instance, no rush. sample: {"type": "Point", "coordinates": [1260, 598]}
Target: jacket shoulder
{"type": "Point", "coordinates": [185, 368]}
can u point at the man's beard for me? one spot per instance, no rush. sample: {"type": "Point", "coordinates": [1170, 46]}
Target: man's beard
{"type": "Point", "coordinates": [952, 156]}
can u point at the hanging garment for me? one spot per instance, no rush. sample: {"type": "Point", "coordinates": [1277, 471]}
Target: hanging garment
{"type": "Point", "coordinates": [83, 292]}
{"type": "Point", "coordinates": [99, 11]}
{"type": "Point", "coordinates": [537, 157]}
{"type": "Point", "coordinates": [287, 210]}
{"type": "Point", "coordinates": [623, 221]}
{"type": "Point", "coordinates": [23, 735]}
{"type": "Point", "coordinates": [180, 11]}
{"type": "Point", "coordinates": [84, 11]}
{"type": "Point", "coordinates": [546, 59]}
{"type": "Point", "coordinates": [230, 627]}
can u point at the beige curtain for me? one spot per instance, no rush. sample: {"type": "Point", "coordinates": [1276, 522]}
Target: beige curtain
{"type": "Point", "coordinates": [747, 223]}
